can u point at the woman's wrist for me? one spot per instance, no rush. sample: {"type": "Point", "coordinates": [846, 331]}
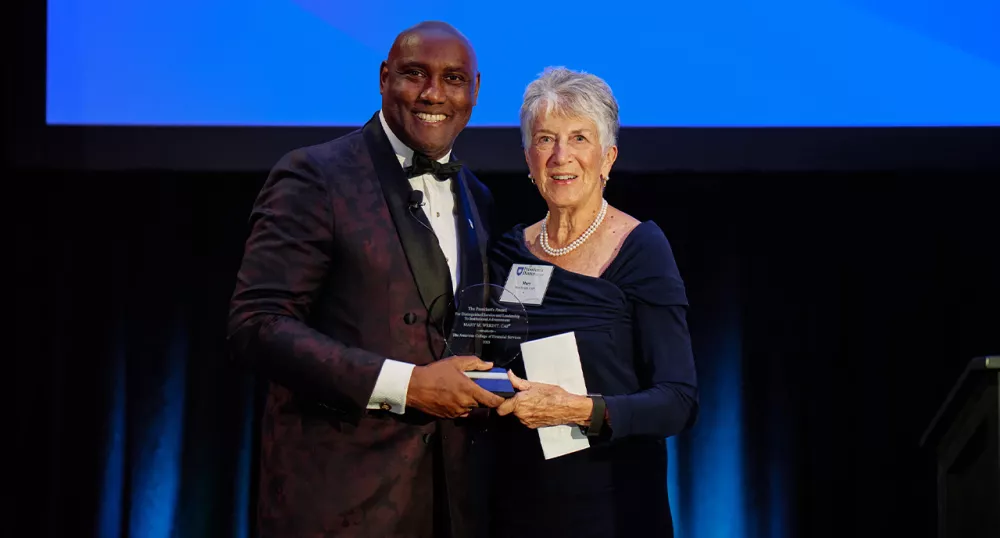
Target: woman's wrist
{"type": "Point", "coordinates": [581, 409]}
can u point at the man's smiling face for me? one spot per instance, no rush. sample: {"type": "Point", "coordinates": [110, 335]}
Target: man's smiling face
{"type": "Point", "coordinates": [429, 85]}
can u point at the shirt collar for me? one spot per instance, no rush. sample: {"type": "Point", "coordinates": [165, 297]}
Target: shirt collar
{"type": "Point", "coordinates": [403, 153]}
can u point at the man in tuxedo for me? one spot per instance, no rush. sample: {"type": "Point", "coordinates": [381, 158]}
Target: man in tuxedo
{"type": "Point", "coordinates": [356, 248]}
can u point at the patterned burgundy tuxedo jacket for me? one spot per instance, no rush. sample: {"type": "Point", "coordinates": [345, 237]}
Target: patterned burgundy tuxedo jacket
{"type": "Point", "coordinates": [338, 273]}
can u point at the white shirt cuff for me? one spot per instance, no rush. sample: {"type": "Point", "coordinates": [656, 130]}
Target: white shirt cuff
{"type": "Point", "coordinates": [391, 387]}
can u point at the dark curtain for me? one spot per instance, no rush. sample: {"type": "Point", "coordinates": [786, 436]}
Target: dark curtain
{"type": "Point", "coordinates": [830, 314]}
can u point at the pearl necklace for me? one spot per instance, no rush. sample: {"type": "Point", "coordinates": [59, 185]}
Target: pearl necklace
{"type": "Point", "coordinates": [579, 240]}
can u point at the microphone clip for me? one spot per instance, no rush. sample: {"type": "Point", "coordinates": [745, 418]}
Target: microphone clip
{"type": "Point", "coordinates": [416, 200]}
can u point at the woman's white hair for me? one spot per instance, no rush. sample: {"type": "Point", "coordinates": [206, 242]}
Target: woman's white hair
{"type": "Point", "coordinates": [574, 94]}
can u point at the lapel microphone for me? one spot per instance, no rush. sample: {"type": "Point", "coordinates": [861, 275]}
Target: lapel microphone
{"type": "Point", "coordinates": [416, 200]}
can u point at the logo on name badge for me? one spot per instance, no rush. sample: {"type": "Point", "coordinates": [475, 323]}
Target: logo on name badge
{"type": "Point", "coordinates": [520, 271]}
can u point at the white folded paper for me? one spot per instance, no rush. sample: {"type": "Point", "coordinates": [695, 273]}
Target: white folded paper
{"type": "Point", "coordinates": [555, 360]}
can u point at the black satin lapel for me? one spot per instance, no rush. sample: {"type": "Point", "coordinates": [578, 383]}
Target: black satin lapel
{"type": "Point", "coordinates": [427, 263]}
{"type": "Point", "coordinates": [472, 235]}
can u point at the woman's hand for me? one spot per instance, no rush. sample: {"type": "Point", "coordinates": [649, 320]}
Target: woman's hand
{"type": "Point", "coordinates": [540, 404]}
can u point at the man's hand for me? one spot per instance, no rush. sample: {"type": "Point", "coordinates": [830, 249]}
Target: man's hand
{"type": "Point", "coordinates": [443, 390]}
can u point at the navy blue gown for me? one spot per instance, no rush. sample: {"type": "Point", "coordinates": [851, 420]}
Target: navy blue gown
{"type": "Point", "coordinates": [634, 346]}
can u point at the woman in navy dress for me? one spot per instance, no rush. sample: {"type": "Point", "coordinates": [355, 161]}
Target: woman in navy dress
{"type": "Point", "coordinates": [616, 285]}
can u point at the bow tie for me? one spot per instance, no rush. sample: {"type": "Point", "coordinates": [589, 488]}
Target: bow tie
{"type": "Point", "coordinates": [423, 164]}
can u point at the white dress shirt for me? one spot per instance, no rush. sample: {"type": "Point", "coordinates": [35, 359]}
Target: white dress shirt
{"type": "Point", "coordinates": [439, 205]}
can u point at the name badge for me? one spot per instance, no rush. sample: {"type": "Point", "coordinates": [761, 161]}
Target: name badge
{"type": "Point", "coordinates": [528, 282]}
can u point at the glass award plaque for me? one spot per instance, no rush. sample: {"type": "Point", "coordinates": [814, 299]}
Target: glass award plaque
{"type": "Point", "coordinates": [490, 322]}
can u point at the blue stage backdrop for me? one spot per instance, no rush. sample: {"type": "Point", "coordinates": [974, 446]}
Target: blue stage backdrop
{"type": "Point", "coordinates": [677, 64]}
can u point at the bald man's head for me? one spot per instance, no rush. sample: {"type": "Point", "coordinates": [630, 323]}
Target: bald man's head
{"type": "Point", "coordinates": [433, 28]}
{"type": "Point", "coordinates": [429, 85]}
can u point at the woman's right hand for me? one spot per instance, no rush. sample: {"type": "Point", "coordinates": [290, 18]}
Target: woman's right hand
{"type": "Point", "coordinates": [538, 405]}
